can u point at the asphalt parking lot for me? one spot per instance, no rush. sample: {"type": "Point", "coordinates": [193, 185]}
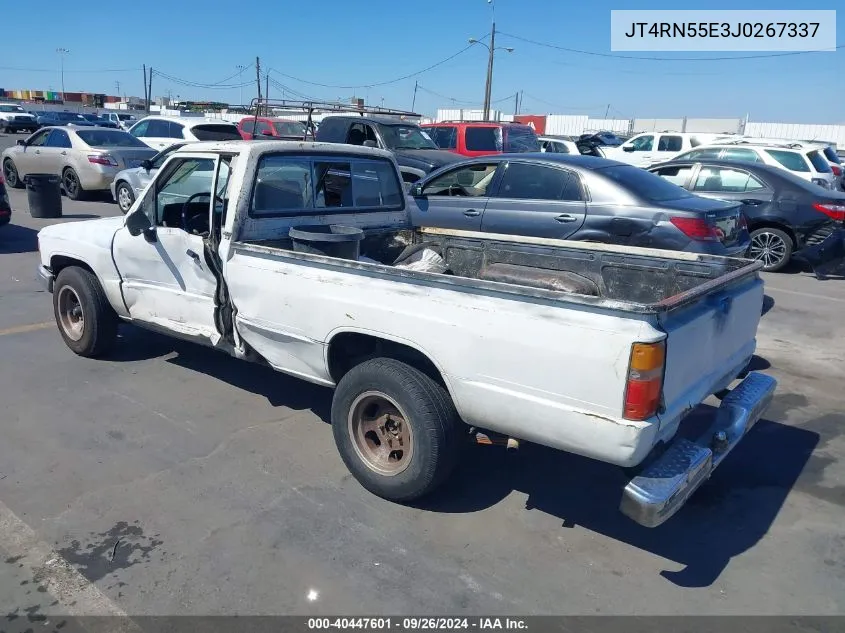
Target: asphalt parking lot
{"type": "Point", "coordinates": [171, 479]}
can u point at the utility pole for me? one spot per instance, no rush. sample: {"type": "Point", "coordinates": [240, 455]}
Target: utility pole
{"type": "Point", "coordinates": [606, 112]}
{"type": "Point", "coordinates": [516, 103]}
{"type": "Point", "coordinates": [258, 81]}
{"type": "Point", "coordinates": [414, 100]}
{"type": "Point", "coordinates": [150, 91]}
{"type": "Point", "coordinates": [145, 89]}
{"type": "Point", "coordinates": [241, 69]}
{"type": "Point", "coordinates": [62, 52]}
{"type": "Point", "coordinates": [267, 93]}
{"type": "Point", "coordinates": [489, 85]}
{"type": "Point", "coordinates": [117, 87]}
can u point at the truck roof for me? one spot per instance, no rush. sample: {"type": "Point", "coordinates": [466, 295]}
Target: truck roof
{"type": "Point", "coordinates": [373, 118]}
{"type": "Point", "coordinates": [256, 148]}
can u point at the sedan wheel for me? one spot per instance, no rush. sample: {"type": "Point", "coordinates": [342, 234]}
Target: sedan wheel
{"type": "Point", "coordinates": [771, 246]}
{"type": "Point", "coordinates": [125, 198]}
{"type": "Point", "coordinates": [10, 172]}
{"type": "Point", "coordinates": [70, 181]}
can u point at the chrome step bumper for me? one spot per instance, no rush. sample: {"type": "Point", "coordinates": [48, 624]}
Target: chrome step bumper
{"type": "Point", "coordinates": [664, 486]}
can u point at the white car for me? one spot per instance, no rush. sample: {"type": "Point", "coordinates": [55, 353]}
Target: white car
{"type": "Point", "coordinates": [558, 145]}
{"type": "Point", "coordinates": [160, 132]}
{"type": "Point", "coordinates": [648, 149]}
{"type": "Point", "coordinates": [828, 151]}
{"type": "Point", "coordinates": [806, 162]}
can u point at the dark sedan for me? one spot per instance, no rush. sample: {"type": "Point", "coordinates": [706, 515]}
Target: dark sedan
{"type": "Point", "coordinates": [100, 121]}
{"type": "Point", "coordinates": [5, 206]}
{"type": "Point", "coordinates": [570, 197]}
{"type": "Point", "coordinates": [784, 212]}
{"type": "Point", "coordinates": [63, 118]}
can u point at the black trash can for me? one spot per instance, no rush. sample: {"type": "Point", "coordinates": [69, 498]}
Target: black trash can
{"type": "Point", "coordinates": [333, 240]}
{"type": "Point", "coordinates": [44, 195]}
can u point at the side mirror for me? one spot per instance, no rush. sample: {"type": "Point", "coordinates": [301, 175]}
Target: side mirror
{"type": "Point", "coordinates": [415, 190]}
{"type": "Point", "coordinates": [370, 144]}
{"type": "Point", "coordinates": [147, 164]}
{"type": "Point", "coordinates": [267, 133]}
{"type": "Point", "coordinates": [22, 142]}
{"type": "Point", "coordinates": [137, 223]}
{"type": "Point", "coordinates": [627, 148]}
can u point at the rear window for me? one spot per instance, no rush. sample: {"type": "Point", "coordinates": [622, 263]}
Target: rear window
{"type": "Point", "coordinates": [831, 155]}
{"type": "Point", "coordinates": [216, 132]}
{"type": "Point", "coordinates": [109, 138]}
{"type": "Point", "coordinates": [288, 185]}
{"type": "Point", "coordinates": [521, 138]}
{"type": "Point", "coordinates": [484, 139]}
{"type": "Point", "coordinates": [643, 184]}
{"type": "Point", "coordinates": [446, 137]}
{"type": "Point", "coordinates": [791, 160]}
{"type": "Point", "coordinates": [819, 162]}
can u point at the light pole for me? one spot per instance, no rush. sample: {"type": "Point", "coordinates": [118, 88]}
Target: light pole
{"type": "Point", "coordinates": [489, 85]}
{"type": "Point", "coordinates": [62, 52]}
{"type": "Point", "coordinates": [241, 69]}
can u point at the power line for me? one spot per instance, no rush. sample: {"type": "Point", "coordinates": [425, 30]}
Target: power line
{"type": "Point", "coordinates": [381, 83]}
{"type": "Point", "coordinates": [660, 59]}
{"type": "Point", "coordinates": [463, 101]}
{"type": "Point", "coordinates": [196, 84]}
{"type": "Point", "coordinates": [70, 70]}
{"type": "Point", "coordinates": [594, 108]}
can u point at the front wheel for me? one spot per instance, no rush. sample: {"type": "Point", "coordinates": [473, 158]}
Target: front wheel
{"type": "Point", "coordinates": [125, 197]}
{"type": "Point", "coordinates": [11, 174]}
{"type": "Point", "coordinates": [86, 321]}
{"type": "Point", "coordinates": [396, 429]}
{"type": "Point", "coordinates": [771, 246]}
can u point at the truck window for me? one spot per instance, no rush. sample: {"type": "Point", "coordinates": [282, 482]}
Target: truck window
{"type": "Point", "coordinates": [445, 137]}
{"type": "Point", "coordinates": [374, 184]}
{"type": "Point", "coordinates": [248, 125]}
{"type": "Point", "coordinates": [356, 135]}
{"type": "Point", "coordinates": [333, 184]}
{"type": "Point", "coordinates": [190, 176]}
{"type": "Point", "coordinates": [283, 185]}
{"type": "Point", "coordinates": [484, 139]}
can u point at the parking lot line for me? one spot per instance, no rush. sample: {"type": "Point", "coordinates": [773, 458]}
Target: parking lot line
{"type": "Point", "coordinates": [32, 327]}
{"type": "Point", "coordinates": [76, 594]}
{"type": "Point", "coordinates": [810, 295]}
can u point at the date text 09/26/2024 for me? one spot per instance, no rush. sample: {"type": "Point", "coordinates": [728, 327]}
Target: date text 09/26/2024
{"type": "Point", "coordinates": [417, 624]}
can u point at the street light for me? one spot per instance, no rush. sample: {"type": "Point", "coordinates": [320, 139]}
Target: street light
{"type": "Point", "coordinates": [241, 69]}
{"type": "Point", "coordinates": [62, 52]}
{"type": "Point", "coordinates": [489, 85]}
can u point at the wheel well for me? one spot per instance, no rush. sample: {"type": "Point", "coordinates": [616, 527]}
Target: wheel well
{"type": "Point", "coordinates": [60, 262]}
{"type": "Point", "coordinates": [349, 349]}
{"type": "Point", "coordinates": [772, 224]}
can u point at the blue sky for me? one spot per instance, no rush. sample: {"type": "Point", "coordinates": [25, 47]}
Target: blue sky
{"type": "Point", "coordinates": [343, 43]}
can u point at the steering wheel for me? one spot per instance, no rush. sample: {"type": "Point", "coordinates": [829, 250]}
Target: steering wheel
{"type": "Point", "coordinates": [457, 190]}
{"type": "Point", "coordinates": [186, 221]}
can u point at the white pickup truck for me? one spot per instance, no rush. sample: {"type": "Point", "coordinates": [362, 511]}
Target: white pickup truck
{"type": "Point", "coordinates": [595, 349]}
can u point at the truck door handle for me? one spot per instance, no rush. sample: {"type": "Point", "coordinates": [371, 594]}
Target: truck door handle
{"type": "Point", "coordinates": [193, 255]}
{"type": "Point", "coordinates": [565, 217]}
{"type": "Point", "coordinates": [63, 153]}
{"type": "Point", "coordinates": [751, 202]}
{"type": "Point", "coordinates": [471, 213]}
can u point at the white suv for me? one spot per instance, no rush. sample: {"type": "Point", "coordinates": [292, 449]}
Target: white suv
{"type": "Point", "coordinates": [644, 150]}
{"type": "Point", "coordinates": [160, 132]}
{"type": "Point", "coordinates": [806, 162]}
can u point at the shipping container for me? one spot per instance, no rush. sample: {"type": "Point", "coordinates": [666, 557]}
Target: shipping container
{"type": "Point", "coordinates": [536, 121]}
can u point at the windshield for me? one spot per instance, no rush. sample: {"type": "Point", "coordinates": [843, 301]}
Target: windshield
{"type": "Point", "coordinates": [11, 108]}
{"type": "Point", "coordinates": [109, 138]}
{"type": "Point", "coordinates": [289, 128]}
{"type": "Point", "coordinates": [406, 137]}
{"type": "Point", "coordinates": [521, 138]}
{"type": "Point", "coordinates": [216, 132]}
{"type": "Point", "coordinates": [819, 162]}
{"type": "Point", "coordinates": [92, 117]}
{"type": "Point", "coordinates": [644, 184]}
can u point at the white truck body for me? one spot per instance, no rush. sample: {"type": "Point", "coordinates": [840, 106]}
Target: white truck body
{"type": "Point", "coordinates": [524, 360]}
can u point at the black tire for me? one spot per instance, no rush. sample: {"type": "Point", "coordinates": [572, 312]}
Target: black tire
{"type": "Point", "coordinates": [129, 196]}
{"type": "Point", "coordinates": [71, 185]}
{"type": "Point", "coordinates": [98, 319]}
{"type": "Point", "coordinates": [771, 246]}
{"type": "Point", "coordinates": [10, 172]}
{"type": "Point", "coordinates": [428, 411]}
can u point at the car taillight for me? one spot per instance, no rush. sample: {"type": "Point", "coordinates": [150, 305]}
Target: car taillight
{"type": "Point", "coordinates": [102, 159]}
{"type": "Point", "coordinates": [836, 169]}
{"type": "Point", "coordinates": [696, 229]}
{"type": "Point", "coordinates": [743, 222]}
{"type": "Point", "coordinates": [645, 380]}
{"type": "Point", "coordinates": [833, 211]}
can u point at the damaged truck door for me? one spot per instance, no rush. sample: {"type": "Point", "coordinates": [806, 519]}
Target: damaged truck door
{"type": "Point", "coordinates": [166, 279]}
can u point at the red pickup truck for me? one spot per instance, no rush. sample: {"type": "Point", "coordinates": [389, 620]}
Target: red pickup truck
{"type": "Point", "coordinates": [273, 128]}
{"type": "Point", "coordinates": [482, 138]}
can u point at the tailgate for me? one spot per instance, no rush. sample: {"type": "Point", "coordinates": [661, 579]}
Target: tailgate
{"type": "Point", "coordinates": [708, 343]}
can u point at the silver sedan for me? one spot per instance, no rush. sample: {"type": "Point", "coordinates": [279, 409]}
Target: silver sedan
{"type": "Point", "coordinates": [129, 183]}
{"type": "Point", "coordinates": [86, 159]}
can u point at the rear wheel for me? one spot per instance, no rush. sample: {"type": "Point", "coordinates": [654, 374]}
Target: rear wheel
{"type": "Point", "coordinates": [70, 182]}
{"type": "Point", "coordinates": [771, 246]}
{"type": "Point", "coordinates": [11, 174]}
{"type": "Point", "coordinates": [396, 429]}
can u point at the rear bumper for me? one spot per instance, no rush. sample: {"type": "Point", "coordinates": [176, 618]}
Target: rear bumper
{"type": "Point", "coordinates": [663, 487]}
